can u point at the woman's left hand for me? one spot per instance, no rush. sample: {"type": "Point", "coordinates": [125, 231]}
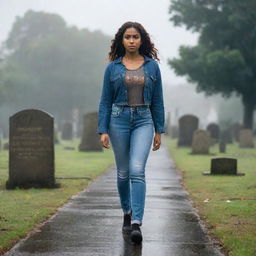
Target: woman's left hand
{"type": "Point", "coordinates": [157, 141]}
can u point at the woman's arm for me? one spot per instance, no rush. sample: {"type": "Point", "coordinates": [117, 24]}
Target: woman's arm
{"type": "Point", "coordinates": [157, 104]}
{"type": "Point", "coordinates": [105, 104]}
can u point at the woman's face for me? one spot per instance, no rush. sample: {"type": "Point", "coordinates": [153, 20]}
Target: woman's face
{"type": "Point", "coordinates": [132, 40]}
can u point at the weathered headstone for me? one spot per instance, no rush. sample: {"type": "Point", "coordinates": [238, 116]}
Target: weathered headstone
{"type": "Point", "coordinates": [90, 139]}
{"type": "Point", "coordinates": [225, 166]}
{"type": "Point", "coordinates": [187, 125]}
{"type": "Point", "coordinates": [31, 150]}
{"type": "Point", "coordinates": [226, 135]}
{"type": "Point", "coordinates": [214, 132]}
{"type": "Point", "coordinates": [67, 131]}
{"type": "Point", "coordinates": [236, 127]}
{"type": "Point", "coordinates": [246, 138]}
{"type": "Point", "coordinates": [201, 142]}
{"type": "Point", "coordinates": [174, 132]}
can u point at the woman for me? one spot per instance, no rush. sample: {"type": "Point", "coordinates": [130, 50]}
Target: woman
{"type": "Point", "coordinates": [131, 108]}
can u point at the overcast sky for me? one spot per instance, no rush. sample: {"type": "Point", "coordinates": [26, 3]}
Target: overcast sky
{"type": "Point", "coordinates": [108, 16]}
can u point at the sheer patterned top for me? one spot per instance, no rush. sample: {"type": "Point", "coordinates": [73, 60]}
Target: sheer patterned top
{"type": "Point", "coordinates": [134, 82]}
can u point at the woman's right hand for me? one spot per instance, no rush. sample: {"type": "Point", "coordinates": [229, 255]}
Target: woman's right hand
{"type": "Point", "coordinates": [104, 139]}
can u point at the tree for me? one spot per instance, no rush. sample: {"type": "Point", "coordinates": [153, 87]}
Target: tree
{"type": "Point", "coordinates": [53, 66]}
{"type": "Point", "coordinates": [224, 60]}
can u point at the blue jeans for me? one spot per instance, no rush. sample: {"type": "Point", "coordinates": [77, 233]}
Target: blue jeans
{"type": "Point", "coordinates": [131, 134]}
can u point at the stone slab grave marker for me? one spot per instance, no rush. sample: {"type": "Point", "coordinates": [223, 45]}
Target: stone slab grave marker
{"type": "Point", "coordinates": [223, 166]}
{"type": "Point", "coordinates": [214, 131]}
{"type": "Point", "coordinates": [226, 135]}
{"type": "Point", "coordinates": [67, 131]}
{"type": "Point", "coordinates": [201, 142]}
{"type": "Point", "coordinates": [236, 127]}
{"type": "Point", "coordinates": [90, 139]}
{"type": "Point", "coordinates": [246, 138]}
{"type": "Point", "coordinates": [31, 150]}
{"type": "Point", "coordinates": [187, 125]}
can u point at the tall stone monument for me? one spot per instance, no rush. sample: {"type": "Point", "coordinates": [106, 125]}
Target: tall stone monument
{"type": "Point", "coordinates": [31, 150]}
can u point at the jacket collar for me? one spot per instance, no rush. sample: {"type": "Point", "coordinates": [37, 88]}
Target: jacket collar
{"type": "Point", "coordinates": [119, 59]}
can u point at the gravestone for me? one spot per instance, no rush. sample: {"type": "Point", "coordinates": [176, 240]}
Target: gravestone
{"type": "Point", "coordinates": [67, 131]}
{"type": "Point", "coordinates": [246, 138]}
{"type": "Point", "coordinates": [174, 132]}
{"type": "Point", "coordinates": [31, 150]}
{"type": "Point", "coordinates": [187, 125]}
{"type": "Point", "coordinates": [224, 166]}
{"type": "Point", "coordinates": [90, 139]}
{"type": "Point", "coordinates": [226, 136]}
{"type": "Point", "coordinates": [201, 142]}
{"type": "Point", "coordinates": [236, 127]}
{"type": "Point", "coordinates": [214, 131]}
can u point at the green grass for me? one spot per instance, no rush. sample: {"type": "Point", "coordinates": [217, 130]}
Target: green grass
{"type": "Point", "coordinates": [22, 209]}
{"type": "Point", "coordinates": [234, 222]}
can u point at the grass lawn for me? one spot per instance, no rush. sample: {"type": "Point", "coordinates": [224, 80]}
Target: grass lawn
{"type": "Point", "coordinates": [226, 203]}
{"type": "Point", "coordinates": [22, 209]}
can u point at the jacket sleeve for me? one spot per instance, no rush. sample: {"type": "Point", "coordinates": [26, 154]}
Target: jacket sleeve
{"type": "Point", "coordinates": [105, 104]}
{"type": "Point", "coordinates": [157, 104]}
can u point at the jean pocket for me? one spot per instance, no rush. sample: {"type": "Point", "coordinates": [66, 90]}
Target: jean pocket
{"type": "Point", "coordinates": [144, 112]}
{"type": "Point", "coordinates": [116, 110]}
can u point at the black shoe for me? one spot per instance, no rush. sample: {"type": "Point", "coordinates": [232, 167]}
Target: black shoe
{"type": "Point", "coordinates": [127, 222]}
{"type": "Point", "coordinates": [136, 235]}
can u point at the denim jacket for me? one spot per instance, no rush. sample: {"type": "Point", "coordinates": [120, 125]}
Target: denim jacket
{"type": "Point", "coordinates": [114, 91]}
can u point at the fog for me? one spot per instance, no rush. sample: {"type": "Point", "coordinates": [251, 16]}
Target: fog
{"type": "Point", "coordinates": [107, 16]}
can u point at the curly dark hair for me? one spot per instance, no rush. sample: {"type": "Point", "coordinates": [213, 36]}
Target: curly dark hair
{"type": "Point", "coordinates": [147, 47]}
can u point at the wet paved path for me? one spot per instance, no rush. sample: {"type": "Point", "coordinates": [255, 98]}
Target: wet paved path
{"type": "Point", "coordinates": [90, 224]}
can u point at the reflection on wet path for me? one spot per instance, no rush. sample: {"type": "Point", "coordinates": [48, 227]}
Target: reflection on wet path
{"type": "Point", "coordinates": [90, 224]}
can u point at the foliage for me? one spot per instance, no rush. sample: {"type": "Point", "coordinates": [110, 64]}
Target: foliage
{"type": "Point", "coordinates": [224, 60]}
{"type": "Point", "coordinates": [53, 66]}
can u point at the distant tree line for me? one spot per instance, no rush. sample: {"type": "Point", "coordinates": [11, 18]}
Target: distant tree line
{"type": "Point", "coordinates": [49, 65]}
{"type": "Point", "coordinates": [224, 60]}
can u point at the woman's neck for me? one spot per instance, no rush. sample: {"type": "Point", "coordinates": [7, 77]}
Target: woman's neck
{"type": "Point", "coordinates": [132, 56]}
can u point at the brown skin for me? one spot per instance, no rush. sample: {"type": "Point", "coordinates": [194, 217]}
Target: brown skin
{"type": "Point", "coordinates": [132, 60]}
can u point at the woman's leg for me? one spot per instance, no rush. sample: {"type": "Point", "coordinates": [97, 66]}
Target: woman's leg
{"type": "Point", "coordinates": [119, 134]}
{"type": "Point", "coordinates": [141, 141]}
